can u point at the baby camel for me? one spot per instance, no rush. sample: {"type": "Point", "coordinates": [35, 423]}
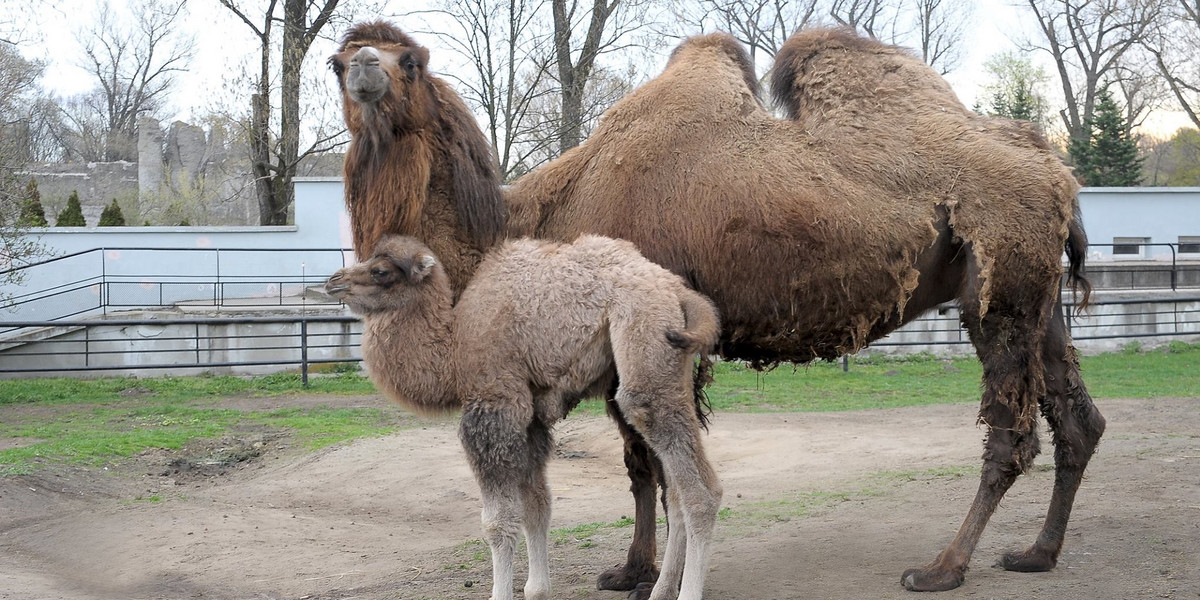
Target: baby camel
{"type": "Point", "coordinates": [540, 327]}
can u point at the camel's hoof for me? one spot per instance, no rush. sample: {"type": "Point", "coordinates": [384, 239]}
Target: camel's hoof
{"type": "Point", "coordinates": [624, 578]}
{"type": "Point", "coordinates": [930, 579]}
{"type": "Point", "coordinates": [1028, 561]}
{"type": "Point", "coordinates": [642, 591]}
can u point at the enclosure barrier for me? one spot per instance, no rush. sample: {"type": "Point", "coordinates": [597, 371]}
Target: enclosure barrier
{"type": "Point", "coordinates": [266, 344]}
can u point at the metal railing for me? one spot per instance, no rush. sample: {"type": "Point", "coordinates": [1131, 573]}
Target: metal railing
{"type": "Point", "coordinates": [182, 344]}
{"type": "Point", "coordinates": [218, 277]}
{"type": "Point", "coordinates": [191, 344]}
{"type": "Point", "coordinates": [1143, 270]}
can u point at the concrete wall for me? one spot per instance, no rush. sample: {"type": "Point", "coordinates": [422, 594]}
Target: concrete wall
{"type": "Point", "coordinates": [321, 222]}
{"type": "Point", "coordinates": [1161, 214]}
{"type": "Point", "coordinates": [253, 254]}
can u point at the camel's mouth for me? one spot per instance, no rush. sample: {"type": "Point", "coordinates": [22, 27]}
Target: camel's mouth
{"type": "Point", "coordinates": [337, 290]}
{"type": "Point", "coordinates": [367, 95]}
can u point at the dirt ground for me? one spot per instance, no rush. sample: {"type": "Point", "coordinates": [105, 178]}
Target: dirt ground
{"type": "Point", "coordinates": [821, 506]}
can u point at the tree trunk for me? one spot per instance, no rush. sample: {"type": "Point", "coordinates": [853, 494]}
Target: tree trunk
{"type": "Point", "coordinates": [573, 76]}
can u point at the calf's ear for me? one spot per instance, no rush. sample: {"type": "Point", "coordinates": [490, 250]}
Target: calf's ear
{"type": "Point", "coordinates": [422, 266]}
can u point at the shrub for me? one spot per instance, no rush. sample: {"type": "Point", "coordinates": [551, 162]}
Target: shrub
{"type": "Point", "coordinates": [32, 213]}
{"type": "Point", "coordinates": [72, 215]}
{"type": "Point", "coordinates": [112, 216]}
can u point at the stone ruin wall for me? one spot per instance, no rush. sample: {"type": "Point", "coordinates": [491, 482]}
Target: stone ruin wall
{"type": "Point", "coordinates": [184, 172]}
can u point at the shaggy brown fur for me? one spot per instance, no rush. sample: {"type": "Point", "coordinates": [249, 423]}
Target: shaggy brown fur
{"type": "Point", "coordinates": [417, 162]}
{"type": "Point", "coordinates": [540, 327]}
{"type": "Point", "coordinates": [880, 198]}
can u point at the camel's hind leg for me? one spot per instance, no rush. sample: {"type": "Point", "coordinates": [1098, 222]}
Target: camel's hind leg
{"type": "Point", "coordinates": [644, 476]}
{"type": "Point", "coordinates": [669, 425]}
{"type": "Point", "coordinates": [1077, 426]}
{"type": "Point", "coordinates": [508, 453]}
{"type": "Point", "coordinates": [1008, 340]}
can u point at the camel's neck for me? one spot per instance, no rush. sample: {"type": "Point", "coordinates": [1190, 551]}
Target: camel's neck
{"type": "Point", "coordinates": [536, 197]}
{"type": "Point", "coordinates": [387, 187]}
{"type": "Point", "coordinates": [408, 354]}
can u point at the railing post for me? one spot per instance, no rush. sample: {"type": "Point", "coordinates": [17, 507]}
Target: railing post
{"type": "Point", "coordinates": [304, 352]}
{"type": "Point", "coordinates": [1173, 268]}
{"type": "Point", "coordinates": [218, 296]}
{"type": "Point", "coordinates": [104, 293]}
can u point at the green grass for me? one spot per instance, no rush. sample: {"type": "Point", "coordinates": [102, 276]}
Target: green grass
{"type": "Point", "coordinates": [63, 390]}
{"type": "Point", "coordinates": [94, 421]}
{"type": "Point", "coordinates": [925, 379]}
{"type": "Point", "coordinates": [95, 435]}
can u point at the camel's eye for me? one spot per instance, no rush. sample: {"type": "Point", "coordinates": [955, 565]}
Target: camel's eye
{"type": "Point", "coordinates": [379, 273]}
{"type": "Point", "coordinates": [336, 66]}
{"type": "Point", "coordinates": [410, 67]}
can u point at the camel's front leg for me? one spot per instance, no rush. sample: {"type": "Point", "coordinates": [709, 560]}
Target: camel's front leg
{"type": "Point", "coordinates": [644, 475]}
{"type": "Point", "coordinates": [535, 498]}
{"type": "Point", "coordinates": [501, 525]}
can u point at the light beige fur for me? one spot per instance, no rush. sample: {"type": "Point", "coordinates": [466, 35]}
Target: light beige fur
{"type": "Point", "coordinates": [541, 326]}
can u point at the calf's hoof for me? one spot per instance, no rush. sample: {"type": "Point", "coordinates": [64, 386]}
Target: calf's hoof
{"type": "Point", "coordinates": [1028, 561]}
{"type": "Point", "coordinates": [931, 579]}
{"type": "Point", "coordinates": [642, 591]}
{"type": "Point", "coordinates": [624, 578]}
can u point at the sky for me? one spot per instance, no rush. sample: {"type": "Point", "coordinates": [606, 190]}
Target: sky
{"type": "Point", "coordinates": [224, 44]}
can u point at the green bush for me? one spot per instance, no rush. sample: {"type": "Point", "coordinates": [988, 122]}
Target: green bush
{"type": "Point", "coordinates": [32, 213]}
{"type": "Point", "coordinates": [112, 216]}
{"type": "Point", "coordinates": [72, 215]}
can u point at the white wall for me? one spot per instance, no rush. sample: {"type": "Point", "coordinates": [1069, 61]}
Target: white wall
{"type": "Point", "coordinates": [302, 253]}
{"type": "Point", "coordinates": [1159, 213]}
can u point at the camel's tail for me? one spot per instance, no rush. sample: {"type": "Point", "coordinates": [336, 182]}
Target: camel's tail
{"type": "Point", "coordinates": [703, 331]}
{"type": "Point", "coordinates": [702, 327]}
{"type": "Point", "coordinates": [1076, 248]}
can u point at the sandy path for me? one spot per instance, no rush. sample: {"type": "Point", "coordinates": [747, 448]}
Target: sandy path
{"type": "Point", "coordinates": [393, 517]}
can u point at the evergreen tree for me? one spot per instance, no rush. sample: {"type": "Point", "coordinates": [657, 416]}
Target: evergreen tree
{"type": "Point", "coordinates": [1015, 89]}
{"type": "Point", "coordinates": [32, 213]}
{"type": "Point", "coordinates": [112, 216]}
{"type": "Point", "coordinates": [1108, 157]}
{"type": "Point", "coordinates": [72, 215]}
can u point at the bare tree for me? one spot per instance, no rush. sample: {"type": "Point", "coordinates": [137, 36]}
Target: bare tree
{"type": "Point", "coordinates": [134, 64]}
{"type": "Point", "coordinates": [762, 25]}
{"type": "Point", "coordinates": [933, 28]}
{"type": "Point", "coordinates": [1089, 40]}
{"type": "Point", "coordinates": [607, 26]}
{"type": "Point", "coordinates": [1174, 47]}
{"type": "Point", "coordinates": [940, 26]}
{"type": "Point", "coordinates": [507, 47]}
{"type": "Point", "coordinates": [872, 17]}
{"type": "Point", "coordinates": [275, 140]}
{"type": "Point", "coordinates": [18, 91]}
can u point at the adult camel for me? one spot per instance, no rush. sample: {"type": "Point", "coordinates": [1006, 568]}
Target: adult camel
{"type": "Point", "coordinates": [878, 198]}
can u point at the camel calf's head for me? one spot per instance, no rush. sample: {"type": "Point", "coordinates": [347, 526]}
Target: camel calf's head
{"type": "Point", "coordinates": [381, 69]}
{"type": "Point", "coordinates": [399, 273]}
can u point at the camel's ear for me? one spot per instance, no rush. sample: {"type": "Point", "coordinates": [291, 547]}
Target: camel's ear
{"type": "Point", "coordinates": [422, 266]}
{"type": "Point", "coordinates": [414, 61]}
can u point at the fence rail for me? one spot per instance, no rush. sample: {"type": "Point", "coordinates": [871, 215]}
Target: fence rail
{"type": "Point", "coordinates": [269, 343]}
{"type": "Point", "coordinates": [93, 281]}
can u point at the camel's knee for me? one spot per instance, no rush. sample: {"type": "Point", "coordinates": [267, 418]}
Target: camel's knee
{"type": "Point", "coordinates": [1008, 452]}
{"type": "Point", "coordinates": [501, 520]}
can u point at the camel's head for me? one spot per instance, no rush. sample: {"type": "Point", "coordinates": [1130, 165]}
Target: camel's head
{"type": "Point", "coordinates": [400, 272]}
{"type": "Point", "coordinates": [381, 71]}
